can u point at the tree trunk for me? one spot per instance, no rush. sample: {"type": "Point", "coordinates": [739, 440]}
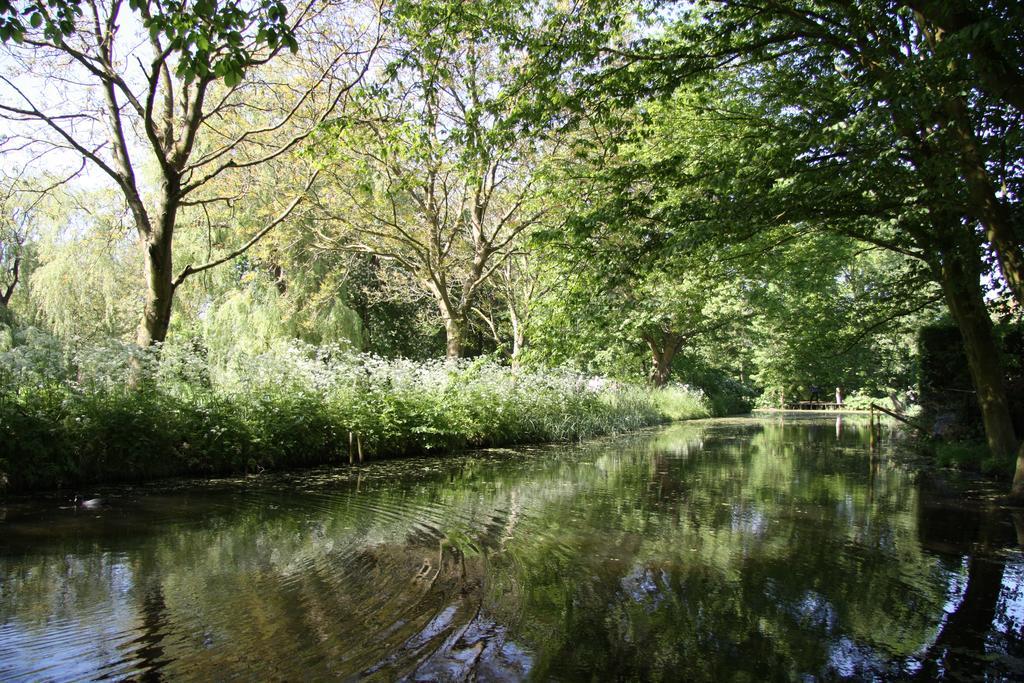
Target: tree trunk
{"type": "Point", "coordinates": [518, 345]}
{"type": "Point", "coordinates": [961, 286]}
{"type": "Point", "coordinates": [156, 314]}
{"type": "Point", "coordinates": [663, 351]}
{"type": "Point", "coordinates": [984, 205]}
{"type": "Point", "coordinates": [5, 296]}
{"type": "Point", "coordinates": [453, 316]}
{"type": "Point", "coordinates": [158, 275]}
{"type": "Point", "coordinates": [518, 335]}
{"type": "Point", "coordinates": [453, 329]}
{"type": "Point", "coordinates": [1016, 496]}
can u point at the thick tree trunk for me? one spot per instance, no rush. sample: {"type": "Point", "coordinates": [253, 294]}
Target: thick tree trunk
{"type": "Point", "coordinates": [663, 351]}
{"type": "Point", "coordinates": [452, 316]}
{"type": "Point", "coordinates": [156, 314]}
{"type": "Point", "coordinates": [661, 369]}
{"type": "Point", "coordinates": [984, 205]}
{"type": "Point", "coordinates": [961, 286]}
{"type": "Point", "coordinates": [453, 329]}
{"type": "Point", "coordinates": [158, 264]}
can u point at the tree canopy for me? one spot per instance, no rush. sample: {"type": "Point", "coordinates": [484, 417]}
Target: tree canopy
{"type": "Point", "coordinates": [756, 198]}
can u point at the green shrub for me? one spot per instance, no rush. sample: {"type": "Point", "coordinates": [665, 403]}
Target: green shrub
{"type": "Point", "coordinates": [862, 401]}
{"type": "Point", "coordinates": [973, 456]}
{"type": "Point", "coordinates": [681, 402]}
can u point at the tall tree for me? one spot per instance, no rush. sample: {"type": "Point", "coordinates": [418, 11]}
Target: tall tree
{"type": "Point", "coordinates": [867, 126]}
{"type": "Point", "coordinates": [431, 174]}
{"type": "Point", "coordinates": [15, 220]}
{"type": "Point", "coordinates": [141, 92]}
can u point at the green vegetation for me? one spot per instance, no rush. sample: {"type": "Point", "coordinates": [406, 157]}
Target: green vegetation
{"type": "Point", "coordinates": [72, 417]}
{"type": "Point", "coordinates": [551, 186]}
{"type": "Point", "coordinates": [680, 402]}
{"type": "Point", "coordinates": [973, 456]}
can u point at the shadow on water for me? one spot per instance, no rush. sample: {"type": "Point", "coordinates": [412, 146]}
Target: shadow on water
{"type": "Point", "coordinates": [791, 547]}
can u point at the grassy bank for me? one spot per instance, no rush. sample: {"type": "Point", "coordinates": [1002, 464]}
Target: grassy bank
{"type": "Point", "coordinates": [70, 417]}
{"type": "Point", "coordinates": [973, 456]}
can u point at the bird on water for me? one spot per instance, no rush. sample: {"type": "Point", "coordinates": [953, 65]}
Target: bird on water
{"type": "Point", "coordinates": [87, 503]}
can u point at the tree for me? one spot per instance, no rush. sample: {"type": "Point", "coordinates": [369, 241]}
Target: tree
{"type": "Point", "coordinates": [833, 312]}
{"type": "Point", "coordinates": [161, 80]}
{"type": "Point", "coordinates": [978, 45]}
{"type": "Point", "coordinates": [522, 284]}
{"type": "Point", "coordinates": [14, 225]}
{"type": "Point", "coordinates": [855, 119]}
{"type": "Point", "coordinates": [638, 316]}
{"type": "Point", "coordinates": [430, 174]}
{"type": "Point", "coordinates": [85, 283]}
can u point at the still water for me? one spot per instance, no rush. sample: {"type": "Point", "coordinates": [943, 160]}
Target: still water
{"type": "Point", "coordinates": [782, 548]}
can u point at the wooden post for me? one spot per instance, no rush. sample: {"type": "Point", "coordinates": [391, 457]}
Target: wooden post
{"type": "Point", "coordinates": [359, 446]}
{"type": "Point", "coordinates": [351, 453]}
{"type": "Point", "coordinates": [871, 430]}
{"type": "Point", "coordinates": [899, 417]}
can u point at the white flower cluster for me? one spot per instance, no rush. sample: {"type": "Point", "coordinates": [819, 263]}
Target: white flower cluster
{"type": "Point", "coordinates": [427, 404]}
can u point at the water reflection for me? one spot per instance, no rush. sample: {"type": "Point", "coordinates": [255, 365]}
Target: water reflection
{"type": "Point", "coordinates": [722, 550]}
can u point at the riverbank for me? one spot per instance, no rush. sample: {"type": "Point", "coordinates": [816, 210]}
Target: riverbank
{"type": "Point", "coordinates": [94, 422]}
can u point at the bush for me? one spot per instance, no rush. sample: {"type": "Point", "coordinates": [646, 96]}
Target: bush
{"type": "Point", "coordinates": [729, 397]}
{"type": "Point", "coordinates": [862, 401]}
{"type": "Point", "coordinates": [114, 413]}
{"type": "Point", "coordinates": [682, 402]}
{"type": "Point", "coordinates": [973, 456]}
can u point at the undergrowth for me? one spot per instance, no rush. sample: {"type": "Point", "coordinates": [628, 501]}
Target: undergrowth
{"type": "Point", "coordinates": [681, 402]}
{"type": "Point", "coordinates": [973, 456]}
{"type": "Point", "coordinates": [115, 413]}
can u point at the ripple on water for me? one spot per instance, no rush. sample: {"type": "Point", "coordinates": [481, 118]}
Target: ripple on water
{"type": "Point", "coordinates": [496, 569]}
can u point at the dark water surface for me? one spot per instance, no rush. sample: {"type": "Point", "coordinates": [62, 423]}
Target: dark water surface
{"type": "Point", "coordinates": [746, 549]}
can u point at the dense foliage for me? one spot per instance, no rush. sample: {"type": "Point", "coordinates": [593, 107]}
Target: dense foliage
{"type": "Point", "coordinates": [70, 416]}
{"type": "Point", "coordinates": [765, 201]}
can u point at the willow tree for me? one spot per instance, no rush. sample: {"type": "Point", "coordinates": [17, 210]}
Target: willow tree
{"type": "Point", "coordinates": [140, 92]}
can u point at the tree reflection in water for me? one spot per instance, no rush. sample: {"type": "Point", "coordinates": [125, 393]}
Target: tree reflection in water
{"type": "Point", "coordinates": [721, 550]}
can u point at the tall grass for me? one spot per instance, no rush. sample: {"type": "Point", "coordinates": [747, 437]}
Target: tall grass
{"type": "Point", "coordinates": [681, 402]}
{"type": "Point", "coordinates": [115, 413]}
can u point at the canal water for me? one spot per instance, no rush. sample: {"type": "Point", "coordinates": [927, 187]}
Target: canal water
{"type": "Point", "coordinates": [783, 548]}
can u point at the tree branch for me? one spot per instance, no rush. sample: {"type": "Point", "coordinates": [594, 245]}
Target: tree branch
{"type": "Point", "coordinates": [281, 217]}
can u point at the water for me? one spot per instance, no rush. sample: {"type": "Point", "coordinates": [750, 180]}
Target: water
{"type": "Point", "coordinates": [722, 550]}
